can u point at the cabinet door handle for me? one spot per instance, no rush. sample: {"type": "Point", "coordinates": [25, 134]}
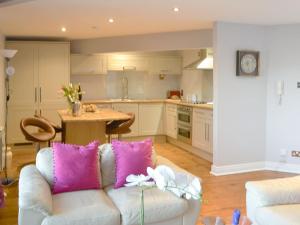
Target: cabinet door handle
{"type": "Point", "coordinates": [207, 132]}
{"type": "Point", "coordinates": [40, 95]}
{"type": "Point", "coordinates": [206, 135]}
{"type": "Point", "coordinates": [35, 95]}
{"type": "Point", "coordinates": [40, 112]}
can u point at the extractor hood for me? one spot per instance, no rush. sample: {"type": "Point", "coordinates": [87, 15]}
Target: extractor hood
{"type": "Point", "coordinates": [204, 62]}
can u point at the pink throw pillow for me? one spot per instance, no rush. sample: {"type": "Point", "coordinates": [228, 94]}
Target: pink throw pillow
{"type": "Point", "coordinates": [131, 158]}
{"type": "Point", "coordinates": [75, 167]}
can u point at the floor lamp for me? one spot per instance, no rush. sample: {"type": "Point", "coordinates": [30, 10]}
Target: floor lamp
{"type": "Point", "coordinates": [8, 54]}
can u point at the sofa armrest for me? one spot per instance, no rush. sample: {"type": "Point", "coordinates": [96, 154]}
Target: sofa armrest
{"type": "Point", "coordinates": [34, 192]}
{"type": "Point", "coordinates": [276, 191]}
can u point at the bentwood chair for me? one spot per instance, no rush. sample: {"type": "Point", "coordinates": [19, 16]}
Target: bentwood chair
{"type": "Point", "coordinates": [44, 132]}
{"type": "Point", "coordinates": [119, 127]}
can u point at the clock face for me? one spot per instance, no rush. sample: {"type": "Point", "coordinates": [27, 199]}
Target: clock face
{"type": "Point", "coordinates": [248, 63]}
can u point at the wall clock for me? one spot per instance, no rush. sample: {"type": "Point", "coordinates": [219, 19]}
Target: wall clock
{"type": "Point", "coordinates": [247, 63]}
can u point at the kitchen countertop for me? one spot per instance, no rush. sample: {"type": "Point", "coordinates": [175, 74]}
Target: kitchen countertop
{"type": "Point", "coordinates": [177, 102]}
{"type": "Point", "coordinates": [99, 115]}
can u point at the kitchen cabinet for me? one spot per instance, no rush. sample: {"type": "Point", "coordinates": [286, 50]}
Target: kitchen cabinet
{"type": "Point", "coordinates": [151, 119]}
{"type": "Point", "coordinates": [171, 65]}
{"type": "Point", "coordinates": [171, 120]}
{"type": "Point", "coordinates": [41, 69]}
{"type": "Point", "coordinates": [88, 64]}
{"type": "Point", "coordinates": [126, 108]}
{"type": "Point", "coordinates": [120, 62]}
{"type": "Point", "coordinates": [202, 130]}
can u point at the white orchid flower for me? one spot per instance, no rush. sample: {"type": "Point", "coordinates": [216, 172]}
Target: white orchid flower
{"type": "Point", "coordinates": [162, 175]}
{"type": "Point", "coordinates": [180, 184]}
{"type": "Point", "coordinates": [138, 180]}
{"type": "Point", "coordinates": [194, 188]}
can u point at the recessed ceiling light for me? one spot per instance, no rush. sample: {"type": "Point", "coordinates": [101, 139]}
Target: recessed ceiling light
{"type": "Point", "coordinates": [176, 9]}
{"type": "Point", "coordinates": [63, 29]}
{"type": "Point", "coordinates": [111, 20]}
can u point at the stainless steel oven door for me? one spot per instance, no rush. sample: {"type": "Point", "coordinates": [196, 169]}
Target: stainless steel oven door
{"type": "Point", "coordinates": [184, 134]}
{"type": "Point", "coordinates": [184, 118]}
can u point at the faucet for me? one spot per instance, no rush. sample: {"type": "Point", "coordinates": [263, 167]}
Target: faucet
{"type": "Point", "coordinates": [124, 87]}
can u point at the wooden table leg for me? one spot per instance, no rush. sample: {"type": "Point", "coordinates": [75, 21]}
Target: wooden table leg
{"type": "Point", "coordinates": [63, 133]}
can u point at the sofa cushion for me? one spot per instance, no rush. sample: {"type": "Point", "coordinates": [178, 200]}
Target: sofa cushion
{"type": "Point", "coordinates": [108, 164]}
{"type": "Point", "coordinates": [90, 207]}
{"type": "Point", "coordinates": [131, 158]}
{"type": "Point", "coordinates": [278, 215]}
{"type": "Point", "coordinates": [76, 167]}
{"type": "Point", "coordinates": [159, 205]}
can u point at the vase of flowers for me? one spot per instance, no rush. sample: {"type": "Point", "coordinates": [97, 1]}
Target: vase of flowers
{"type": "Point", "coordinates": [73, 93]}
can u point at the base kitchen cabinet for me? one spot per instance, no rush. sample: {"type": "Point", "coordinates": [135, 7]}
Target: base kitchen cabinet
{"type": "Point", "coordinates": [151, 119]}
{"type": "Point", "coordinates": [202, 130]}
{"type": "Point", "coordinates": [126, 108]}
{"type": "Point", "coordinates": [171, 120]}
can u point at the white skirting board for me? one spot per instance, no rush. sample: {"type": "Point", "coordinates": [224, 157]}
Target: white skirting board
{"type": "Point", "coordinates": [254, 166]}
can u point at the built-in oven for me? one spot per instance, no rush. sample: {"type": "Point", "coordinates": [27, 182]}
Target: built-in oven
{"type": "Point", "coordinates": [184, 124]}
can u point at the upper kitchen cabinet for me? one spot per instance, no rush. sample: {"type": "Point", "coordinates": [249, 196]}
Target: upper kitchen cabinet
{"type": "Point", "coordinates": [120, 62]}
{"type": "Point", "coordinates": [88, 64]}
{"type": "Point", "coordinates": [169, 65]}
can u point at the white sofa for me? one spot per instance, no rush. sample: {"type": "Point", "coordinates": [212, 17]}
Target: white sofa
{"type": "Point", "coordinates": [274, 202]}
{"type": "Point", "coordinates": [108, 206]}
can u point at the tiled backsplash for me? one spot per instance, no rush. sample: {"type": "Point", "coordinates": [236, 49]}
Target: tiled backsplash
{"type": "Point", "coordinates": [141, 85]}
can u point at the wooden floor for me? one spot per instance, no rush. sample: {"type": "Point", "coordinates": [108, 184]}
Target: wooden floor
{"type": "Point", "coordinates": [221, 195]}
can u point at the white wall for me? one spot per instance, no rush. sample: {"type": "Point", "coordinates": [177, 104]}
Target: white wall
{"type": "Point", "coordinates": [2, 83]}
{"type": "Point", "coordinates": [240, 102]}
{"type": "Point", "coordinates": [199, 82]}
{"type": "Point", "coordinates": [148, 42]}
{"type": "Point", "coordinates": [283, 121]}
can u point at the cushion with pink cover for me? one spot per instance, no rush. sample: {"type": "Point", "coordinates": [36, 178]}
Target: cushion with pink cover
{"type": "Point", "coordinates": [75, 167]}
{"type": "Point", "coordinates": [131, 158]}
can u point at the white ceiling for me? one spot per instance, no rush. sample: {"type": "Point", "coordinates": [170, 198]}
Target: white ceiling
{"type": "Point", "coordinates": [44, 18]}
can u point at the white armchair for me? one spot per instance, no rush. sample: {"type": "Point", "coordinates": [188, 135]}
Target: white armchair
{"type": "Point", "coordinates": [274, 202]}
